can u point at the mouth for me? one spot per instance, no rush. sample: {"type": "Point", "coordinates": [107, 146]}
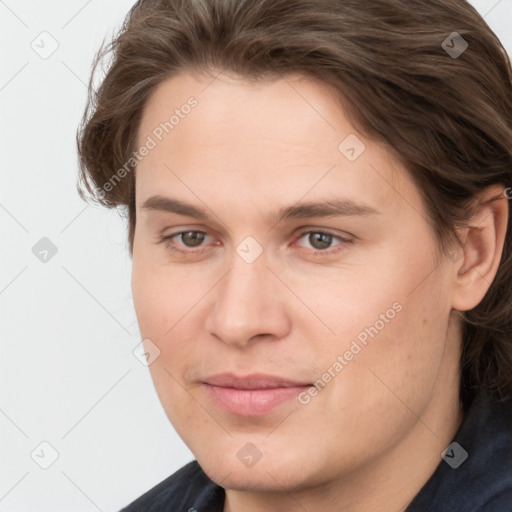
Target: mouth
{"type": "Point", "coordinates": [251, 395]}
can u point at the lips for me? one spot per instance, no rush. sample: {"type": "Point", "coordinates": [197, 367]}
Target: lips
{"type": "Point", "coordinates": [251, 395]}
{"type": "Point", "coordinates": [253, 381]}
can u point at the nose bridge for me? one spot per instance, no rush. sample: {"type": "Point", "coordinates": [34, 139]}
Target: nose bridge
{"type": "Point", "coordinates": [247, 302]}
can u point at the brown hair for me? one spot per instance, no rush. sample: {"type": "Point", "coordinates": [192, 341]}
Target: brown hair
{"type": "Point", "coordinates": [448, 115]}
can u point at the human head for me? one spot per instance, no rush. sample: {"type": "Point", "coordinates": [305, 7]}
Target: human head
{"type": "Point", "coordinates": [461, 145]}
{"type": "Point", "coordinates": [397, 85]}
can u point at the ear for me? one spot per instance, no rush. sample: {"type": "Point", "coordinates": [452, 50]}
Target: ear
{"type": "Point", "coordinates": [483, 239]}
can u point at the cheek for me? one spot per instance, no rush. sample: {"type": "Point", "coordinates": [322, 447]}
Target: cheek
{"type": "Point", "coordinates": [398, 362]}
{"type": "Point", "coordinates": [407, 354]}
{"type": "Point", "coordinates": [161, 296]}
{"type": "Point", "coordinates": [166, 318]}
{"type": "Point", "coordinates": [391, 322]}
{"type": "Point", "coordinates": [392, 377]}
{"type": "Point", "coordinates": [164, 307]}
{"type": "Point", "coordinates": [161, 315]}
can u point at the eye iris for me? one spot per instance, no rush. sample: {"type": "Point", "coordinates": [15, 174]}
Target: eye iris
{"type": "Point", "coordinates": [317, 240]}
{"type": "Point", "coordinates": [194, 237]}
{"type": "Point", "coordinates": [323, 239]}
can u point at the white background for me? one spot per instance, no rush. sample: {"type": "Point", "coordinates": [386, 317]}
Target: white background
{"type": "Point", "coordinates": [67, 372]}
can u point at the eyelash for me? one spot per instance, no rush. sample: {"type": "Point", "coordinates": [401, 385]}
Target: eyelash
{"type": "Point", "coordinates": [315, 252]}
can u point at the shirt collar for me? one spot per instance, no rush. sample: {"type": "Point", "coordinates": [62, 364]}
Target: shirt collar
{"type": "Point", "coordinates": [477, 465]}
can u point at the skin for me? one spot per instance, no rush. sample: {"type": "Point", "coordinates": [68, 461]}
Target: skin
{"type": "Point", "coordinates": [374, 435]}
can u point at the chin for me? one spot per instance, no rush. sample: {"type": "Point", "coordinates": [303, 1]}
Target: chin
{"type": "Point", "coordinates": [272, 472]}
{"type": "Point", "coordinates": [256, 479]}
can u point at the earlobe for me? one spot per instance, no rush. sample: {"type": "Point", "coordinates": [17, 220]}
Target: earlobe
{"type": "Point", "coordinates": [484, 239]}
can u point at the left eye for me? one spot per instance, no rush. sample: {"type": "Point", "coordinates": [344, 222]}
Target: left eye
{"type": "Point", "coordinates": [319, 240]}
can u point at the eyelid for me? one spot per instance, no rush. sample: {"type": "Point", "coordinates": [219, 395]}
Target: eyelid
{"type": "Point", "coordinates": [167, 239]}
{"type": "Point", "coordinates": [325, 231]}
{"type": "Point", "coordinates": [331, 250]}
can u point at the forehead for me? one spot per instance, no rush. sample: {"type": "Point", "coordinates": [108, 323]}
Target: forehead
{"type": "Point", "coordinates": [267, 141]}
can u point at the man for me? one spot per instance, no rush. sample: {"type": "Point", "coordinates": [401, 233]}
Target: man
{"type": "Point", "coordinates": [318, 219]}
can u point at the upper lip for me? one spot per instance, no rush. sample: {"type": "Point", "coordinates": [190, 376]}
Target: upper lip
{"type": "Point", "coordinates": [253, 381]}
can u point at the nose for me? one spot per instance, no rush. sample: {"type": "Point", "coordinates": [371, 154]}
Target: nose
{"type": "Point", "coordinates": [250, 304]}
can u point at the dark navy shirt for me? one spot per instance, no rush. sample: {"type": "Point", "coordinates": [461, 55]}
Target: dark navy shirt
{"type": "Point", "coordinates": [475, 474]}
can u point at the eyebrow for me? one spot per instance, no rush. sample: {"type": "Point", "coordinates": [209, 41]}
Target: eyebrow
{"type": "Point", "coordinates": [328, 208]}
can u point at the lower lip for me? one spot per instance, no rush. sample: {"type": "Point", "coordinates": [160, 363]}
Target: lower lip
{"type": "Point", "coordinates": [252, 402]}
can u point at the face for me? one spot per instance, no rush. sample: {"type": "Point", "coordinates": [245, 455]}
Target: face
{"type": "Point", "coordinates": [284, 270]}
